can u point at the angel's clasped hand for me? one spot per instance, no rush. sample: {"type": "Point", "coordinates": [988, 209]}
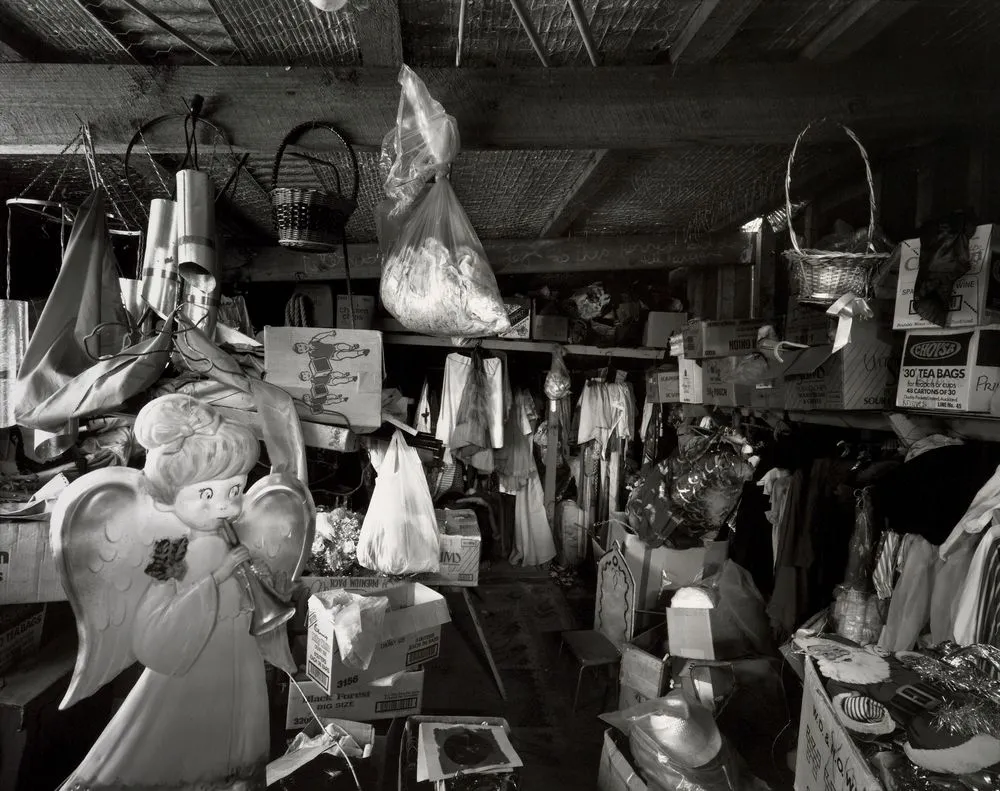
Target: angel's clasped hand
{"type": "Point", "coordinates": [226, 568]}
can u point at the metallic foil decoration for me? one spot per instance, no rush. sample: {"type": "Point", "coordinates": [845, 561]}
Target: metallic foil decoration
{"type": "Point", "coordinates": [13, 344]}
{"type": "Point", "coordinates": [197, 258]}
{"type": "Point", "coordinates": [132, 299]}
{"type": "Point", "coordinates": [160, 279]}
{"type": "Point", "coordinates": [201, 308]}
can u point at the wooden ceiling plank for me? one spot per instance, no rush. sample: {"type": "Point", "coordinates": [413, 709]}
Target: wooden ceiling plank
{"type": "Point", "coordinates": [511, 257]}
{"type": "Point", "coordinates": [379, 34]}
{"type": "Point", "coordinates": [712, 25]}
{"type": "Point", "coordinates": [844, 35]}
{"type": "Point", "coordinates": [11, 50]}
{"type": "Point", "coordinates": [182, 37]}
{"type": "Point", "coordinates": [602, 166]}
{"type": "Point", "coordinates": [623, 108]}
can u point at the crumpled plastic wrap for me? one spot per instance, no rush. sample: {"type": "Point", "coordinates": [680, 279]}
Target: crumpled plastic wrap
{"type": "Point", "coordinates": [557, 381]}
{"type": "Point", "coordinates": [677, 746]}
{"type": "Point", "coordinates": [357, 624]}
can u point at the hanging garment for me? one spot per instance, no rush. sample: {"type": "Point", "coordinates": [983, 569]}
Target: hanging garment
{"type": "Point", "coordinates": [597, 417]}
{"type": "Point", "coordinates": [977, 601]}
{"type": "Point", "coordinates": [791, 562]}
{"type": "Point", "coordinates": [457, 369]}
{"type": "Point", "coordinates": [978, 515]}
{"type": "Point", "coordinates": [910, 608]}
{"type": "Point", "coordinates": [422, 414]}
{"type": "Point", "coordinates": [470, 439]}
{"type": "Point", "coordinates": [533, 543]}
{"type": "Point", "coordinates": [949, 580]}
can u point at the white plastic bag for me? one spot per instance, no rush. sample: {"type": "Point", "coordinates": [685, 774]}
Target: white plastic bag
{"type": "Point", "coordinates": [400, 533]}
{"type": "Point", "coordinates": [357, 624]}
{"type": "Point", "coordinates": [435, 279]}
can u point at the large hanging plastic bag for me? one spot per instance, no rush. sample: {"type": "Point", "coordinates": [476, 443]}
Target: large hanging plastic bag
{"type": "Point", "coordinates": [400, 533]}
{"type": "Point", "coordinates": [436, 279]}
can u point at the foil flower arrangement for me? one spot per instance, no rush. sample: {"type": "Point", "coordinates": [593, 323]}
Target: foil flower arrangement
{"type": "Point", "coordinates": [335, 548]}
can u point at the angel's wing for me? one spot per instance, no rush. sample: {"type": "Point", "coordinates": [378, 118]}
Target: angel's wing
{"type": "Point", "coordinates": [277, 527]}
{"type": "Point", "coordinates": [101, 541]}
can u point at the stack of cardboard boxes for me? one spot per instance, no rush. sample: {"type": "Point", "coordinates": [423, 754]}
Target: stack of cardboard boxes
{"type": "Point", "coordinates": [955, 368]}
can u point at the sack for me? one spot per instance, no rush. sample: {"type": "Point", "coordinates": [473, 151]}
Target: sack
{"type": "Point", "coordinates": [400, 532]}
{"type": "Point", "coordinates": [436, 280]}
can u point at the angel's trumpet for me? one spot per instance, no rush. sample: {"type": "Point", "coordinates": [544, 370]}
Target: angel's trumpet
{"type": "Point", "coordinates": [269, 610]}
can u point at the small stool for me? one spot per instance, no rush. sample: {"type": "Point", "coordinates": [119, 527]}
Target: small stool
{"type": "Point", "coordinates": [590, 648]}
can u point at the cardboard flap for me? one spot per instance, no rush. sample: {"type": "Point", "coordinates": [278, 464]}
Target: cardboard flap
{"type": "Point", "coordinates": [428, 610]}
{"type": "Point", "coordinates": [809, 360]}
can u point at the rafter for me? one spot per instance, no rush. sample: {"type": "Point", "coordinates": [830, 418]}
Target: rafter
{"type": "Point", "coordinates": [379, 34]}
{"type": "Point", "coordinates": [512, 257]}
{"type": "Point", "coordinates": [712, 25]}
{"type": "Point", "coordinates": [854, 27]}
{"type": "Point", "coordinates": [623, 108]}
{"type": "Point", "coordinates": [602, 166]}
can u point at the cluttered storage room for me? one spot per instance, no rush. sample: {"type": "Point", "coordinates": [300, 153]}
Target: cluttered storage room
{"type": "Point", "coordinates": [499, 395]}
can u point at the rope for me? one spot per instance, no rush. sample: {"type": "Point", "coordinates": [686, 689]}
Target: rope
{"type": "Point", "coordinates": [298, 311]}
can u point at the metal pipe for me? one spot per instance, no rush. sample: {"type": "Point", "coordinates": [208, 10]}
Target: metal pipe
{"type": "Point", "coordinates": [584, 27]}
{"type": "Point", "coordinates": [461, 34]}
{"type": "Point", "coordinates": [181, 37]}
{"type": "Point", "coordinates": [530, 31]}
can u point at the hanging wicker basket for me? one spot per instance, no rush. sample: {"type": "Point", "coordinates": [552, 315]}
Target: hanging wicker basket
{"type": "Point", "coordinates": [824, 276]}
{"type": "Point", "coordinates": [306, 219]}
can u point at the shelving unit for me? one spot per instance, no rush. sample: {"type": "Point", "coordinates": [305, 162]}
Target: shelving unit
{"type": "Point", "coordinates": [541, 347]}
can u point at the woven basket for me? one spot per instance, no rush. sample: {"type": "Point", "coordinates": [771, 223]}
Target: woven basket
{"type": "Point", "coordinates": [824, 276]}
{"type": "Point", "coordinates": [312, 220]}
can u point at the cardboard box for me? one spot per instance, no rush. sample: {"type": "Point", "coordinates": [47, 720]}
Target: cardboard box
{"type": "Point", "coordinates": [411, 636]}
{"type": "Point", "coordinates": [807, 324]}
{"type": "Point", "coordinates": [20, 632]}
{"type": "Point", "coordinates": [827, 756]}
{"type": "Point", "coordinates": [692, 381]}
{"type": "Point", "coordinates": [461, 547]}
{"type": "Point", "coordinates": [718, 390]}
{"type": "Point", "coordinates": [653, 569]}
{"type": "Point", "coordinates": [645, 668]}
{"type": "Point", "coordinates": [860, 376]}
{"type": "Point", "coordinates": [550, 328]}
{"type": "Point", "coordinates": [660, 326]}
{"type": "Point", "coordinates": [364, 312]}
{"type": "Point", "coordinates": [519, 313]}
{"type": "Point", "coordinates": [720, 338]}
{"type": "Point", "coordinates": [334, 376]}
{"type": "Point", "coordinates": [663, 387]}
{"type": "Point", "coordinates": [950, 370]}
{"type": "Point", "coordinates": [975, 297]}
{"type": "Point", "coordinates": [363, 702]}
{"type": "Point", "coordinates": [27, 567]}
{"type": "Point", "coordinates": [616, 772]}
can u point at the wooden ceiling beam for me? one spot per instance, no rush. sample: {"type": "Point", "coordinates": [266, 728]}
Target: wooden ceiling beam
{"type": "Point", "coordinates": [379, 34]}
{"type": "Point", "coordinates": [602, 166]}
{"type": "Point", "coordinates": [640, 108]}
{"type": "Point", "coordinates": [513, 257]}
{"type": "Point", "coordinates": [712, 25]}
{"type": "Point", "coordinates": [853, 28]}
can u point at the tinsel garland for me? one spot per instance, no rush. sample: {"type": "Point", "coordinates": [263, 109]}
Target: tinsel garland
{"type": "Point", "coordinates": [978, 709]}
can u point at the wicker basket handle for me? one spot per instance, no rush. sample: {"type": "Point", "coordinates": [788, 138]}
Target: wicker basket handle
{"type": "Point", "coordinates": [868, 175]}
{"type": "Point", "coordinates": [300, 130]}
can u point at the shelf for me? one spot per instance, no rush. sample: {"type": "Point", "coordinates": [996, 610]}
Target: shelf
{"type": "Point", "coordinates": [542, 347]}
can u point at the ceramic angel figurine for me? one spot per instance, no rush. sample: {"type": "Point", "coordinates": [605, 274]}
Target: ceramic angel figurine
{"type": "Point", "coordinates": [152, 576]}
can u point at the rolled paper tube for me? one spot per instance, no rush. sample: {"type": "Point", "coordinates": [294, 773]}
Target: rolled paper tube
{"type": "Point", "coordinates": [13, 344]}
{"type": "Point", "coordinates": [197, 260]}
{"type": "Point", "coordinates": [159, 265]}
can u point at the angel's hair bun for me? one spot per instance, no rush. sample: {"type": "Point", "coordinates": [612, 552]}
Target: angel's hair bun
{"type": "Point", "coordinates": [187, 441]}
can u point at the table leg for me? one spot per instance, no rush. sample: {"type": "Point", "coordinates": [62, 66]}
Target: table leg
{"type": "Point", "coordinates": [482, 640]}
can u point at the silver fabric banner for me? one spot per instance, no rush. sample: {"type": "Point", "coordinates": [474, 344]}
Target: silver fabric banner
{"type": "Point", "coordinates": [160, 279]}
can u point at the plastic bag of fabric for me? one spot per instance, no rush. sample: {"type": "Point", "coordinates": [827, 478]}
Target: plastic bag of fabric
{"type": "Point", "coordinates": [436, 279]}
{"type": "Point", "coordinates": [400, 533]}
{"type": "Point", "coordinates": [677, 746]}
